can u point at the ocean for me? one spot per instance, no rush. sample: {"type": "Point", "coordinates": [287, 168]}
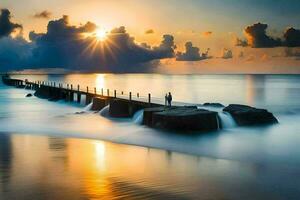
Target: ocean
{"type": "Point", "coordinates": [49, 151]}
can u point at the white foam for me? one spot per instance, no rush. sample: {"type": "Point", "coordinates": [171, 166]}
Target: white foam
{"type": "Point", "coordinates": [227, 120]}
{"type": "Point", "coordinates": [104, 111]}
{"type": "Point", "coordinates": [138, 117]}
{"type": "Point", "coordinates": [88, 107]}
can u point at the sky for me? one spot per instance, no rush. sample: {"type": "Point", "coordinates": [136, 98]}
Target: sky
{"type": "Point", "coordinates": [215, 36]}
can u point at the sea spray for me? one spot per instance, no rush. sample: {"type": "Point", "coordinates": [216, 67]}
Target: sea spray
{"type": "Point", "coordinates": [138, 117]}
{"type": "Point", "coordinates": [104, 112]}
{"type": "Point", "coordinates": [227, 120]}
{"type": "Point", "coordinates": [88, 107]}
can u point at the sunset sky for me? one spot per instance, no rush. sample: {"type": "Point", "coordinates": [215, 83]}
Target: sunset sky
{"type": "Point", "coordinates": [217, 25]}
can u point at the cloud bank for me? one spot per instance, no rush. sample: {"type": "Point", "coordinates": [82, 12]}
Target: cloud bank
{"type": "Point", "coordinates": [191, 53]}
{"type": "Point", "coordinates": [257, 37]}
{"type": "Point", "coordinates": [77, 48]}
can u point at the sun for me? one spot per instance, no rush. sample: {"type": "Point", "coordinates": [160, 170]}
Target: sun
{"type": "Point", "coordinates": [101, 34]}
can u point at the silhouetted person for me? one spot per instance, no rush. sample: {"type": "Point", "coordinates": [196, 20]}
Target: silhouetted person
{"type": "Point", "coordinates": [169, 99]}
{"type": "Point", "coordinates": [166, 99]}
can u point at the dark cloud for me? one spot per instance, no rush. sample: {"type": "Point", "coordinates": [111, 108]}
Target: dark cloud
{"type": "Point", "coordinates": [14, 53]}
{"type": "Point", "coordinates": [43, 15]}
{"type": "Point", "coordinates": [77, 48]}
{"type": "Point", "coordinates": [292, 37]}
{"type": "Point", "coordinates": [226, 54]}
{"type": "Point", "coordinates": [191, 53]}
{"type": "Point", "coordinates": [6, 26]}
{"type": "Point", "coordinates": [257, 37]}
{"type": "Point", "coordinates": [149, 31]}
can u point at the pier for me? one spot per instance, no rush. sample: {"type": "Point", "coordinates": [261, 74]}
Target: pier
{"type": "Point", "coordinates": [155, 115]}
{"type": "Point", "coordinates": [120, 105]}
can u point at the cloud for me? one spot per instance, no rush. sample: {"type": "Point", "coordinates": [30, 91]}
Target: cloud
{"type": "Point", "coordinates": [292, 37]}
{"type": "Point", "coordinates": [6, 26]}
{"type": "Point", "coordinates": [149, 31]}
{"type": "Point", "coordinates": [241, 42]}
{"type": "Point", "coordinates": [191, 53]}
{"type": "Point", "coordinates": [14, 52]}
{"type": "Point", "coordinates": [226, 54]}
{"type": "Point", "coordinates": [77, 48]}
{"type": "Point", "coordinates": [207, 33]}
{"type": "Point", "coordinates": [43, 15]}
{"type": "Point", "coordinates": [256, 37]}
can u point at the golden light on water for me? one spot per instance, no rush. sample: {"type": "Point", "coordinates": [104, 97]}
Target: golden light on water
{"type": "Point", "coordinates": [100, 81]}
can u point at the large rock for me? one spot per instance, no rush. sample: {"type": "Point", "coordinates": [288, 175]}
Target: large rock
{"type": "Point", "coordinates": [99, 103]}
{"type": "Point", "coordinates": [246, 115]}
{"type": "Point", "coordinates": [120, 108]}
{"type": "Point", "coordinates": [181, 118]}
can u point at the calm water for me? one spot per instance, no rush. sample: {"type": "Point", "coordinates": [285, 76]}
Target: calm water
{"type": "Point", "coordinates": [235, 163]}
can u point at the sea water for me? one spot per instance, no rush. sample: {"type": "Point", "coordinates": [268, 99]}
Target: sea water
{"type": "Point", "coordinates": [271, 153]}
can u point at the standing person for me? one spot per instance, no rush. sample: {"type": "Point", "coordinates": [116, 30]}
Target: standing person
{"type": "Point", "coordinates": [166, 99]}
{"type": "Point", "coordinates": [170, 99]}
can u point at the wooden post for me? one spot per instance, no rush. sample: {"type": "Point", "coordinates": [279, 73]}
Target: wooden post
{"type": "Point", "coordinates": [149, 98]}
{"type": "Point", "coordinates": [67, 86]}
{"type": "Point", "coordinates": [115, 93]}
{"type": "Point", "coordinates": [78, 97]}
{"type": "Point", "coordinates": [87, 89]}
{"type": "Point", "coordinates": [108, 92]}
{"type": "Point", "coordinates": [102, 91]}
{"type": "Point", "coordinates": [95, 90]}
{"type": "Point", "coordinates": [78, 87]}
{"type": "Point", "coordinates": [71, 86]}
{"type": "Point", "coordinates": [138, 95]}
{"type": "Point", "coordinates": [130, 96]}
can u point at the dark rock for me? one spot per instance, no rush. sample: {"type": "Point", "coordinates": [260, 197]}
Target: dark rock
{"type": "Point", "coordinates": [181, 119]}
{"type": "Point", "coordinates": [246, 115]}
{"type": "Point", "coordinates": [122, 108]}
{"type": "Point", "coordinates": [217, 105]}
{"type": "Point", "coordinates": [148, 115]}
{"type": "Point", "coordinates": [99, 103]}
{"type": "Point", "coordinates": [29, 95]}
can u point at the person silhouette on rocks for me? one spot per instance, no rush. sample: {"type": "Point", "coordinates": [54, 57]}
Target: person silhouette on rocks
{"type": "Point", "coordinates": [169, 98]}
{"type": "Point", "coordinates": [166, 99]}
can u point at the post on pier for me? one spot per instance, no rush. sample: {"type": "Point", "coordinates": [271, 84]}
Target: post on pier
{"type": "Point", "coordinates": [149, 98]}
{"type": "Point", "coordinates": [130, 96]}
